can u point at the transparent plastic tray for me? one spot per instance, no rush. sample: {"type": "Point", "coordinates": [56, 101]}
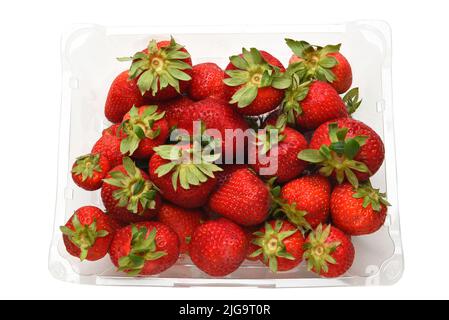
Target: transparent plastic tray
{"type": "Point", "coordinates": [89, 66]}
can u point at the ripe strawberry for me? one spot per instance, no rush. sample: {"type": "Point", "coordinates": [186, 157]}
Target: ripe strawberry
{"type": "Point", "coordinates": [305, 201]}
{"type": "Point", "coordinates": [123, 94]}
{"type": "Point", "coordinates": [329, 252]}
{"type": "Point", "coordinates": [88, 234]}
{"type": "Point", "coordinates": [310, 104]}
{"type": "Point", "coordinates": [214, 114]}
{"type": "Point", "coordinates": [358, 211]}
{"type": "Point", "coordinates": [324, 64]}
{"type": "Point", "coordinates": [255, 82]}
{"type": "Point", "coordinates": [173, 163]}
{"type": "Point", "coordinates": [207, 81]}
{"type": "Point", "coordinates": [144, 128]}
{"type": "Point", "coordinates": [175, 110]}
{"type": "Point", "coordinates": [218, 247]}
{"type": "Point", "coordinates": [109, 146]}
{"type": "Point", "coordinates": [243, 198]}
{"type": "Point", "coordinates": [289, 143]}
{"type": "Point", "coordinates": [345, 148]}
{"type": "Point", "coordinates": [145, 248]}
{"type": "Point", "coordinates": [279, 245]}
{"type": "Point", "coordinates": [128, 195]}
{"type": "Point", "coordinates": [89, 171]}
{"type": "Point", "coordinates": [182, 221]}
{"type": "Point", "coordinates": [162, 70]}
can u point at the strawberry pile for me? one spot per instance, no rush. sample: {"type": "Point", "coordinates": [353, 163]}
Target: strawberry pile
{"type": "Point", "coordinates": [164, 196]}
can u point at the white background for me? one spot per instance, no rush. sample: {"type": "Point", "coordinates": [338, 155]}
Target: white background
{"type": "Point", "coordinates": [30, 98]}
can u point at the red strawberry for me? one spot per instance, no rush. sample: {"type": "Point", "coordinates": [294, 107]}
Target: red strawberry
{"type": "Point", "coordinates": [254, 82]}
{"type": "Point", "coordinates": [146, 248]}
{"type": "Point", "coordinates": [311, 104]}
{"type": "Point", "coordinates": [181, 181]}
{"type": "Point", "coordinates": [128, 195]}
{"type": "Point", "coordinates": [88, 234]}
{"type": "Point", "coordinates": [289, 143]}
{"type": "Point", "coordinates": [358, 211]}
{"type": "Point", "coordinates": [89, 171]}
{"type": "Point", "coordinates": [109, 146]}
{"type": "Point", "coordinates": [214, 114]}
{"type": "Point", "coordinates": [123, 94]}
{"type": "Point", "coordinates": [175, 110]}
{"type": "Point", "coordinates": [243, 198]}
{"type": "Point", "coordinates": [325, 64]}
{"type": "Point", "coordinates": [207, 81]}
{"type": "Point", "coordinates": [218, 247]}
{"type": "Point", "coordinates": [345, 148]}
{"type": "Point", "coordinates": [144, 128]}
{"type": "Point", "coordinates": [162, 70]}
{"type": "Point", "coordinates": [329, 252]}
{"type": "Point", "coordinates": [182, 221]}
{"type": "Point", "coordinates": [279, 245]}
{"type": "Point", "coordinates": [305, 201]}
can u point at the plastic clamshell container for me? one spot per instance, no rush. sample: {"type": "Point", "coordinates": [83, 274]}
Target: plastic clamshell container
{"type": "Point", "coordinates": [90, 65]}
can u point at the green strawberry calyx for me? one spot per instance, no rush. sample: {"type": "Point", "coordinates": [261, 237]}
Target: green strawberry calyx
{"type": "Point", "coordinates": [83, 236]}
{"type": "Point", "coordinates": [315, 59]}
{"type": "Point", "coordinates": [297, 92]}
{"type": "Point", "coordinates": [371, 197]}
{"type": "Point", "coordinates": [143, 249]}
{"type": "Point", "coordinates": [159, 68]}
{"type": "Point", "coordinates": [271, 244]}
{"type": "Point", "coordinates": [264, 138]}
{"type": "Point", "coordinates": [87, 165]}
{"type": "Point", "coordinates": [134, 190]}
{"type": "Point", "coordinates": [339, 156]}
{"type": "Point", "coordinates": [253, 72]}
{"type": "Point", "coordinates": [318, 250]}
{"type": "Point", "coordinates": [188, 164]}
{"type": "Point", "coordinates": [352, 100]}
{"type": "Point", "coordinates": [281, 208]}
{"type": "Point", "coordinates": [139, 127]}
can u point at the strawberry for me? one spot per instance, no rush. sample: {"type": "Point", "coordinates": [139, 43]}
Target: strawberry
{"type": "Point", "coordinates": [128, 195]}
{"type": "Point", "coordinates": [305, 201]}
{"type": "Point", "coordinates": [358, 211]}
{"type": "Point", "coordinates": [328, 252]}
{"type": "Point", "coordinates": [323, 63]}
{"type": "Point", "coordinates": [345, 148]}
{"type": "Point", "coordinates": [88, 234]}
{"type": "Point", "coordinates": [279, 245]}
{"type": "Point", "coordinates": [288, 144]}
{"type": "Point", "coordinates": [207, 81]}
{"type": "Point", "coordinates": [255, 82]}
{"type": "Point", "coordinates": [89, 171]}
{"type": "Point", "coordinates": [175, 110]}
{"type": "Point", "coordinates": [109, 146]}
{"type": "Point", "coordinates": [173, 163]}
{"type": "Point", "coordinates": [144, 128]}
{"type": "Point", "coordinates": [145, 248]}
{"type": "Point", "coordinates": [309, 104]}
{"type": "Point", "coordinates": [162, 70]}
{"type": "Point", "coordinates": [218, 247]}
{"type": "Point", "coordinates": [182, 221]}
{"type": "Point", "coordinates": [214, 114]}
{"type": "Point", "coordinates": [243, 198]}
{"type": "Point", "coordinates": [123, 94]}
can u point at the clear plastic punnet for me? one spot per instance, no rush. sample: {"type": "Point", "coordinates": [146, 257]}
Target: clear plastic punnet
{"type": "Point", "coordinates": [89, 65]}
